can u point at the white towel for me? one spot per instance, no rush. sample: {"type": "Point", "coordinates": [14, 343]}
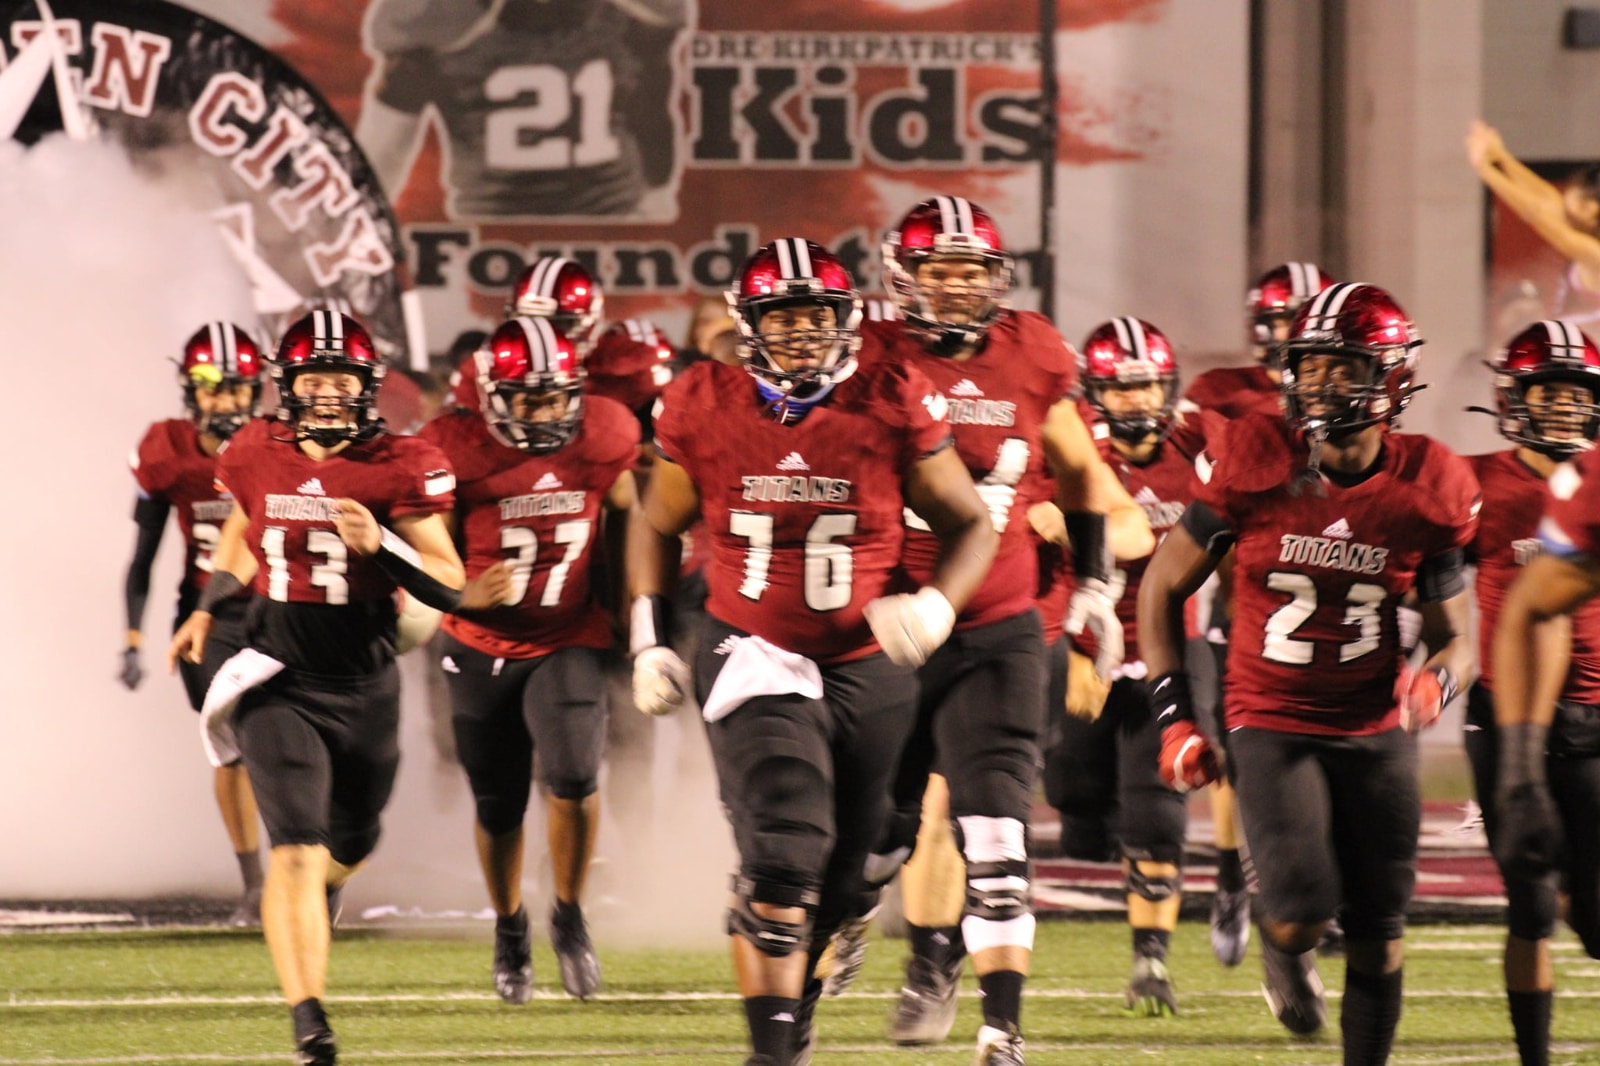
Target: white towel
{"type": "Point", "coordinates": [238, 675]}
{"type": "Point", "coordinates": [756, 667]}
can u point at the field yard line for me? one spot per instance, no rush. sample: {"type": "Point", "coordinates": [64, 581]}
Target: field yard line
{"type": "Point", "coordinates": [16, 1003]}
{"type": "Point", "coordinates": [1444, 1054]}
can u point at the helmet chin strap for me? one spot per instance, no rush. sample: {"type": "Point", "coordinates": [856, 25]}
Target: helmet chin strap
{"type": "Point", "coordinates": [1310, 479]}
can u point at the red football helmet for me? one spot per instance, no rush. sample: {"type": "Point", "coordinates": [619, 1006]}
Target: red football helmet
{"type": "Point", "coordinates": [1358, 321]}
{"type": "Point", "coordinates": [645, 332]}
{"type": "Point", "coordinates": [563, 291]}
{"type": "Point", "coordinates": [530, 384]}
{"type": "Point", "coordinates": [789, 272]}
{"type": "Point", "coordinates": [1548, 353]}
{"type": "Point", "coordinates": [1129, 352]}
{"type": "Point", "coordinates": [328, 342]}
{"type": "Point", "coordinates": [1278, 294]}
{"type": "Point", "coordinates": [947, 227]}
{"type": "Point", "coordinates": [220, 356]}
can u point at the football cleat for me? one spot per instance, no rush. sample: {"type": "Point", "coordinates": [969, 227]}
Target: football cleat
{"type": "Point", "coordinates": [1149, 990]}
{"type": "Point", "coordinates": [1230, 925]}
{"type": "Point", "coordinates": [847, 953]}
{"type": "Point", "coordinates": [926, 1010]}
{"type": "Point", "coordinates": [805, 1023]}
{"type": "Point", "coordinates": [1294, 989]}
{"type": "Point", "coordinates": [999, 1047]}
{"type": "Point", "coordinates": [318, 1049]}
{"type": "Point", "coordinates": [513, 958]}
{"type": "Point", "coordinates": [569, 936]}
{"type": "Point", "coordinates": [247, 912]}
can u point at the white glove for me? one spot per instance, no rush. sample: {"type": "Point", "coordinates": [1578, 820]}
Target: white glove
{"type": "Point", "coordinates": [910, 627]}
{"type": "Point", "coordinates": [660, 680]}
{"type": "Point", "coordinates": [1093, 607]}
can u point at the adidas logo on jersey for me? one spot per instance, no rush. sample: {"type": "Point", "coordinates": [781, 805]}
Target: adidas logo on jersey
{"type": "Point", "coordinates": [311, 488]}
{"type": "Point", "coordinates": [1340, 529]}
{"type": "Point", "coordinates": [793, 461]}
{"type": "Point", "coordinates": [965, 387]}
{"type": "Point", "coordinates": [546, 483]}
{"type": "Point", "coordinates": [727, 646]}
{"type": "Point", "coordinates": [448, 665]}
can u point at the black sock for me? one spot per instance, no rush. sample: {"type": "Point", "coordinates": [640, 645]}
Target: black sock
{"type": "Point", "coordinates": [1371, 1013]}
{"type": "Point", "coordinates": [250, 869]}
{"type": "Point", "coordinates": [771, 1021]}
{"type": "Point", "coordinates": [512, 924]}
{"type": "Point", "coordinates": [1230, 870]}
{"type": "Point", "coordinates": [942, 944]}
{"type": "Point", "coordinates": [309, 1018]}
{"type": "Point", "coordinates": [566, 913]}
{"type": "Point", "coordinates": [1530, 1019]}
{"type": "Point", "coordinates": [1002, 998]}
{"type": "Point", "coordinates": [1151, 944]}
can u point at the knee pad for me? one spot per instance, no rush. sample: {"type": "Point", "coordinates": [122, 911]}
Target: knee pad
{"type": "Point", "coordinates": [499, 815]}
{"type": "Point", "coordinates": [996, 853]}
{"type": "Point", "coordinates": [1532, 909]}
{"type": "Point", "coordinates": [349, 845]}
{"type": "Point", "coordinates": [1154, 889]}
{"type": "Point", "coordinates": [1087, 839]}
{"type": "Point", "coordinates": [769, 936]}
{"type": "Point", "coordinates": [573, 788]}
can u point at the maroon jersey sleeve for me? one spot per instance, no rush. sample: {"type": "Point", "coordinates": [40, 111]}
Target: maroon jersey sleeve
{"type": "Point", "coordinates": [673, 431]}
{"type": "Point", "coordinates": [425, 480]}
{"type": "Point", "coordinates": [154, 462]}
{"type": "Point", "coordinates": [625, 370]}
{"type": "Point", "coordinates": [1054, 354]}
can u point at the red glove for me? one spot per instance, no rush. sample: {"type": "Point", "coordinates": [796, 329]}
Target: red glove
{"type": "Point", "coordinates": [1421, 696]}
{"type": "Point", "coordinates": [1187, 758]}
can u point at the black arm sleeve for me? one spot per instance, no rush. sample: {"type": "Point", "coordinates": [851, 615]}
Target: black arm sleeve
{"type": "Point", "coordinates": [1208, 529]}
{"type": "Point", "coordinates": [1440, 577]}
{"type": "Point", "coordinates": [1091, 551]}
{"type": "Point", "coordinates": [151, 517]}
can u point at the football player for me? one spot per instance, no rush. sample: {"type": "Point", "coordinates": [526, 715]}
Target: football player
{"type": "Point", "coordinates": [536, 101]}
{"type": "Point", "coordinates": [539, 470]}
{"type": "Point", "coordinates": [800, 461]}
{"type": "Point", "coordinates": [173, 466]}
{"type": "Point", "coordinates": [1547, 383]}
{"type": "Point", "coordinates": [1231, 391]}
{"type": "Point", "coordinates": [1011, 384]}
{"type": "Point", "coordinates": [330, 515]}
{"type": "Point", "coordinates": [1100, 768]}
{"type": "Point", "coordinates": [1333, 519]}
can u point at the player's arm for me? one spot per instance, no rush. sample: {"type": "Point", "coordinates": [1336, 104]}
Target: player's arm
{"type": "Point", "coordinates": [1188, 554]}
{"type": "Point", "coordinates": [1534, 200]}
{"type": "Point", "coordinates": [1446, 609]}
{"type": "Point", "coordinates": [150, 517]}
{"type": "Point", "coordinates": [668, 506]}
{"type": "Point", "coordinates": [1527, 679]}
{"type": "Point", "coordinates": [614, 511]}
{"type": "Point", "coordinates": [940, 490]}
{"type": "Point", "coordinates": [232, 569]}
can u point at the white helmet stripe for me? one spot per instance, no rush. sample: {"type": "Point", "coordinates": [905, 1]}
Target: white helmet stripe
{"type": "Point", "coordinates": [802, 259]}
{"type": "Point", "coordinates": [1298, 282]}
{"type": "Point", "coordinates": [1131, 335]}
{"type": "Point", "coordinates": [948, 220]}
{"type": "Point", "coordinates": [218, 353]}
{"type": "Point", "coordinates": [964, 214]}
{"type": "Point", "coordinates": [545, 274]}
{"type": "Point", "coordinates": [1328, 303]}
{"type": "Point", "coordinates": [786, 266]}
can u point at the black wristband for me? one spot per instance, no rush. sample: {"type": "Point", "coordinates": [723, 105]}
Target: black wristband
{"type": "Point", "coordinates": [222, 586]}
{"type": "Point", "coordinates": [649, 623]}
{"type": "Point", "coordinates": [1521, 755]}
{"type": "Point", "coordinates": [402, 563]}
{"type": "Point", "coordinates": [1091, 553]}
{"type": "Point", "coordinates": [1169, 698]}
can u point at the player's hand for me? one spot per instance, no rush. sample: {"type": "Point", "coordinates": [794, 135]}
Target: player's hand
{"type": "Point", "coordinates": [1092, 607]}
{"type": "Point", "coordinates": [492, 588]}
{"type": "Point", "coordinates": [1086, 692]}
{"type": "Point", "coordinates": [660, 680]}
{"type": "Point", "coordinates": [1527, 841]}
{"type": "Point", "coordinates": [1188, 760]}
{"type": "Point", "coordinates": [1048, 523]}
{"type": "Point", "coordinates": [911, 626]}
{"type": "Point", "coordinates": [132, 671]}
{"type": "Point", "coordinates": [357, 528]}
{"type": "Point", "coordinates": [189, 642]}
{"type": "Point", "coordinates": [1421, 695]}
{"type": "Point", "coordinates": [1484, 146]}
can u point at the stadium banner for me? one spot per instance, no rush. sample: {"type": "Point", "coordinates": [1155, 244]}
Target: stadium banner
{"type": "Point", "coordinates": [244, 133]}
{"type": "Point", "coordinates": [659, 142]}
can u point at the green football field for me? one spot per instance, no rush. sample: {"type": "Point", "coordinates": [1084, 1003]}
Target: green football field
{"type": "Point", "coordinates": [406, 996]}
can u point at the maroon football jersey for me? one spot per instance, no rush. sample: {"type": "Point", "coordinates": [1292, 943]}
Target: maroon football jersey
{"type": "Point", "coordinates": [543, 513]}
{"type": "Point", "coordinates": [288, 497]}
{"type": "Point", "coordinates": [1231, 391]}
{"type": "Point", "coordinates": [1319, 576]}
{"type": "Point", "coordinates": [998, 402]}
{"type": "Point", "coordinates": [1508, 537]}
{"type": "Point", "coordinates": [627, 371]}
{"type": "Point", "coordinates": [170, 465]}
{"type": "Point", "coordinates": [804, 520]}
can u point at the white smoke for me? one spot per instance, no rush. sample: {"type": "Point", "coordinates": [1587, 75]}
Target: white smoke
{"type": "Point", "coordinates": [104, 276]}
